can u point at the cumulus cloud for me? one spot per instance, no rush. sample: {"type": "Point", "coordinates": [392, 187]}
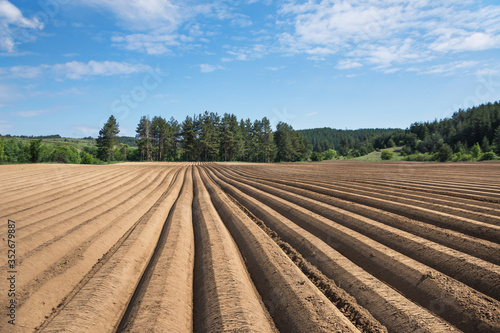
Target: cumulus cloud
{"type": "Point", "coordinates": [387, 32]}
{"type": "Point", "coordinates": [207, 68]}
{"type": "Point", "coordinates": [348, 64]}
{"type": "Point", "coordinates": [155, 43]}
{"type": "Point", "coordinates": [13, 25]}
{"type": "Point", "coordinates": [30, 113]}
{"type": "Point", "coordinates": [77, 70]}
{"type": "Point", "coordinates": [140, 15]}
{"type": "Point", "coordinates": [158, 27]}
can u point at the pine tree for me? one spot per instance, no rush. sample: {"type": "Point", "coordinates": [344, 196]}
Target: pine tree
{"type": "Point", "coordinates": [35, 146]}
{"type": "Point", "coordinates": [143, 138]}
{"type": "Point", "coordinates": [496, 140]}
{"type": "Point", "coordinates": [283, 139]}
{"type": "Point", "coordinates": [188, 141]}
{"type": "Point", "coordinates": [160, 130]}
{"type": "Point", "coordinates": [268, 144]}
{"type": "Point", "coordinates": [107, 139]}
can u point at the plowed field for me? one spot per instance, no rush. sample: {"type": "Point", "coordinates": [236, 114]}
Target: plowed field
{"type": "Point", "coordinates": [318, 247]}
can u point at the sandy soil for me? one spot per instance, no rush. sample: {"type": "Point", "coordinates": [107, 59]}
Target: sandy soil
{"type": "Point", "coordinates": [224, 247]}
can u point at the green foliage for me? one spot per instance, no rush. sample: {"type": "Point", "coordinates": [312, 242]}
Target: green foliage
{"type": "Point", "coordinates": [87, 159]}
{"type": "Point", "coordinates": [107, 139]}
{"type": "Point", "coordinates": [35, 150]}
{"type": "Point", "coordinates": [316, 157]}
{"type": "Point", "coordinates": [445, 153]}
{"type": "Point", "coordinates": [65, 154]}
{"type": "Point", "coordinates": [461, 131]}
{"type": "Point", "coordinates": [291, 145]}
{"type": "Point", "coordinates": [3, 156]}
{"type": "Point", "coordinates": [489, 156]}
{"type": "Point", "coordinates": [476, 151]}
{"type": "Point", "coordinates": [323, 139]}
{"type": "Point", "coordinates": [496, 140]}
{"type": "Point", "coordinates": [419, 157]}
{"type": "Point", "coordinates": [127, 140]}
{"type": "Point", "coordinates": [330, 154]}
{"type": "Point", "coordinates": [188, 142]}
{"type": "Point", "coordinates": [387, 155]}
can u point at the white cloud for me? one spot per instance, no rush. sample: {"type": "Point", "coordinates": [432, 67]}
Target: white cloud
{"type": "Point", "coordinates": [274, 69]}
{"type": "Point", "coordinates": [154, 43]}
{"type": "Point", "coordinates": [348, 64]}
{"type": "Point", "coordinates": [87, 130]}
{"type": "Point", "coordinates": [140, 15]}
{"type": "Point", "coordinates": [207, 68]}
{"type": "Point", "coordinates": [447, 69]}
{"type": "Point", "coordinates": [242, 21]}
{"type": "Point", "coordinates": [385, 33]}
{"type": "Point", "coordinates": [311, 114]}
{"type": "Point", "coordinates": [475, 41]}
{"type": "Point", "coordinates": [245, 53]}
{"type": "Point", "coordinates": [26, 72]}
{"type": "Point", "coordinates": [30, 113]}
{"type": "Point", "coordinates": [13, 26]}
{"type": "Point", "coordinates": [77, 70]}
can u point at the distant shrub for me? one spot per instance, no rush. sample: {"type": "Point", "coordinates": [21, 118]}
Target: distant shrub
{"type": "Point", "coordinates": [87, 159]}
{"type": "Point", "coordinates": [316, 157]}
{"type": "Point", "coordinates": [445, 153]}
{"type": "Point", "coordinates": [66, 154]}
{"type": "Point", "coordinates": [467, 158]}
{"type": "Point", "coordinates": [489, 156]}
{"type": "Point", "coordinates": [330, 154]}
{"type": "Point", "coordinates": [419, 157]}
{"type": "Point", "coordinates": [476, 151]}
{"type": "Point", "coordinates": [3, 157]}
{"type": "Point", "coordinates": [387, 155]}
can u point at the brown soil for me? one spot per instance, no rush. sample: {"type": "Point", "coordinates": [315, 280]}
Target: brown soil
{"type": "Point", "coordinates": [208, 247]}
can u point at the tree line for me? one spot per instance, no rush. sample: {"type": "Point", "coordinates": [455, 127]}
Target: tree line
{"type": "Point", "coordinates": [468, 135]}
{"type": "Point", "coordinates": [211, 137]}
{"type": "Point", "coordinates": [203, 137]}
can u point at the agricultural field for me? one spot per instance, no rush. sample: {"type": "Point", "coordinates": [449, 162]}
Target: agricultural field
{"type": "Point", "coordinates": [345, 246]}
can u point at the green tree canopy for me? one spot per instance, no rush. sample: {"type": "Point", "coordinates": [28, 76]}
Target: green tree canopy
{"type": "Point", "coordinates": [107, 139]}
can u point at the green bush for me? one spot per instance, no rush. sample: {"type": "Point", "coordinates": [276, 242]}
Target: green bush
{"type": "Point", "coordinates": [3, 157]}
{"type": "Point", "coordinates": [330, 154]}
{"type": "Point", "coordinates": [387, 155]}
{"type": "Point", "coordinates": [65, 154]}
{"type": "Point", "coordinates": [489, 156]}
{"type": "Point", "coordinates": [87, 159]}
{"type": "Point", "coordinates": [445, 153]}
{"type": "Point", "coordinates": [316, 157]}
{"type": "Point", "coordinates": [476, 151]}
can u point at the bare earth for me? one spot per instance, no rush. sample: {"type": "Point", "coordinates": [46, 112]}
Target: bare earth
{"type": "Point", "coordinates": [232, 247]}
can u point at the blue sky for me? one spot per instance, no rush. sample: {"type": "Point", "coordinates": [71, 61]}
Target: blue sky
{"type": "Point", "coordinates": [66, 65]}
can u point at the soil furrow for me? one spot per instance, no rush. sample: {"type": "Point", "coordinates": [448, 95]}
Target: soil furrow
{"type": "Point", "coordinates": [479, 248]}
{"type": "Point", "coordinates": [463, 306]}
{"type": "Point", "coordinates": [391, 308]}
{"type": "Point", "coordinates": [163, 300]}
{"type": "Point", "coordinates": [100, 304]}
{"type": "Point", "coordinates": [225, 299]}
{"type": "Point", "coordinates": [306, 309]}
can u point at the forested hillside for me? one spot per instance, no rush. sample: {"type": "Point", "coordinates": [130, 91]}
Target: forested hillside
{"type": "Point", "coordinates": [468, 135]}
{"type": "Point", "coordinates": [471, 134]}
{"type": "Point", "coordinates": [323, 139]}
